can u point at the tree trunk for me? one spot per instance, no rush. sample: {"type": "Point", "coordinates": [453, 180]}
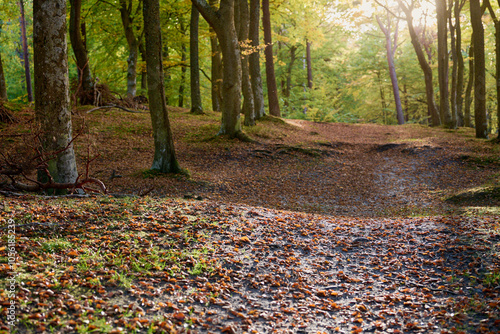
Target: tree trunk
{"type": "Point", "coordinates": [443, 66]}
{"type": "Point", "coordinates": [382, 96]}
{"type": "Point", "coordinates": [183, 74]}
{"type": "Point", "coordinates": [222, 22]}
{"type": "Point", "coordinates": [454, 69]}
{"type": "Point", "coordinates": [164, 159]}
{"type": "Point", "coordinates": [468, 90]}
{"type": "Point", "coordinates": [480, 118]}
{"type": "Point", "coordinates": [497, 63]}
{"type": "Point", "coordinates": [82, 61]}
{"type": "Point", "coordinates": [144, 73]}
{"type": "Point", "coordinates": [254, 61]}
{"type": "Point", "coordinates": [460, 63]}
{"type": "Point", "coordinates": [424, 65]}
{"type": "Point", "coordinates": [52, 107]}
{"type": "Point", "coordinates": [216, 69]}
{"type": "Point", "coordinates": [309, 65]}
{"type": "Point", "coordinates": [390, 48]}
{"type": "Point", "coordinates": [3, 86]}
{"type": "Point", "coordinates": [272, 90]}
{"type": "Point", "coordinates": [288, 80]}
{"type": "Point", "coordinates": [26, 59]}
{"type": "Point", "coordinates": [246, 85]}
{"type": "Point", "coordinates": [133, 46]}
{"type": "Point", "coordinates": [196, 107]}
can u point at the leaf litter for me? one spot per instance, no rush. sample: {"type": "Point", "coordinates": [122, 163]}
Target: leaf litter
{"type": "Point", "coordinates": [332, 228]}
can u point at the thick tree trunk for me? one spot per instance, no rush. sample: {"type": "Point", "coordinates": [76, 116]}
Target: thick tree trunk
{"type": "Point", "coordinates": [480, 118]}
{"type": "Point", "coordinates": [443, 66]}
{"type": "Point", "coordinates": [390, 48]}
{"type": "Point", "coordinates": [468, 90]}
{"type": "Point", "coordinates": [223, 23]}
{"type": "Point", "coordinates": [133, 46]}
{"type": "Point", "coordinates": [26, 59]}
{"type": "Point", "coordinates": [82, 61]}
{"type": "Point", "coordinates": [52, 107]}
{"type": "Point", "coordinates": [272, 89]}
{"type": "Point", "coordinates": [246, 85]}
{"type": "Point", "coordinates": [424, 65]}
{"type": "Point", "coordinates": [254, 61]}
{"type": "Point", "coordinates": [3, 86]}
{"type": "Point", "coordinates": [196, 107]}
{"type": "Point", "coordinates": [309, 65]}
{"type": "Point", "coordinates": [164, 156]}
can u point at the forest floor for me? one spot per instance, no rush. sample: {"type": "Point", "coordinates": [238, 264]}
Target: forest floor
{"type": "Point", "coordinates": [314, 227]}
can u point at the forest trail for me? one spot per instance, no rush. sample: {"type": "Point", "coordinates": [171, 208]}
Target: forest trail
{"type": "Point", "coordinates": [314, 228]}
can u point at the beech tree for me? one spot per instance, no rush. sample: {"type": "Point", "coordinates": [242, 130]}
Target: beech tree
{"type": "Point", "coordinates": [426, 68]}
{"type": "Point", "coordinates": [164, 159]}
{"type": "Point", "coordinates": [245, 49]}
{"type": "Point", "coordinates": [390, 46]}
{"type": "Point", "coordinates": [216, 66]}
{"type": "Point", "coordinates": [196, 107]}
{"type": "Point", "coordinates": [52, 107]}
{"type": "Point", "coordinates": [80, 51]}
{"type": "Point", "coordinates": [3, 85]}
{"type": "Point", "coordinates": [272, 89]}
{"type": "Point", "coordinates": [129, 15]}
{"type": "Point", "coordinates": [480, 118]}
{"type": "Point", "coordinates": [222, 21]}
{"type": "Point", "coordinates": [25, 58]}
{"type": "Point", "coordinates": [254, 59]}
{"type": "Point", "coordinates": [443, 67]}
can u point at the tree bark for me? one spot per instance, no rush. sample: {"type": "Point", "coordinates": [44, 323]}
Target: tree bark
{"type": "Point", "coordinates": [3, 86]}
{"type": "Point", "coordinates": [196, 107]}
{"type": "Point", "coordinates": [246, 84]}
{"type": "Point", "coordinates": [216, 68]}
{"type": "Point", "coordinates": [164, 159]}
{"type": "Point", "coordinates": [183, 74]}
{"type": "Point", "coordinates": [272, 89]}
{"type": "Point", "coordinates": [26, 59]}
{"type": "Point", "coordinates": [133, 46]}
{"type": "Point", "coordinates": [52, 107]}
{"type": "Point", "coordinates": [254, 59]}
{"type": "Point", "coordinates": [390, 48]}
{"type": "Point", "coordinates": [468, 90]}
{"type": "Point", "coordinates": [222, 21]}
{"type": "Point", "coordinates": [82, 61]}
{"type": "Point", "coordinates": [497, 63]}
{"type": "Point", "coordinates": [443, 65]}
{"type": "Point", "coordinates": [424, 65]}
{"type": "Point", "coordinates": [144, 73]}
{"type": "Point", "coordinates": [309, 65]}
{"type": "Point", "coordinates": [480, 118]}
{"type": "Point", "coordinates": [460, 62]}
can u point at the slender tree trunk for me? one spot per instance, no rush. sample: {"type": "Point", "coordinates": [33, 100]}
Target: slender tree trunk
{"type": "Point", "coordinates": [480, 118]}
{"type": "Point", "coordinates": [3, 86]}
{"type": "Point", "coordinates": [82, 61]}
{"type": "Point", "coordinates": [52, 107]}
{"type": "Point", "coordinates": [196, 107]}
{"type": "Point", "coordinates": [272, 89]}
{"type": "Point", "coordinates": [246, 85]}
{"type": "Point", "coordinates": [390, 51]}
{"type": "Point", "coordinates": [133, 46]}
{"type": "Point", "coordinates": [164, 159]}
{"type": "Point", "coordinates": [424, 65]}
{"type": "Point", "coordinates": [497, 63]}
{"type": "Point", "coordinates": [454, 68]}
{"type": "Point", "coordinates": [443, 65]}
{"type": "Point", "coordinates": [468, 90]}
{"type": "Point", "coordinates": [288, 80]}
{"type": "Point", "coordinates": [460, 63]}
{"type": "Point", "coordinates": [216, 69]}
{"type": "Point", "coordinates": [254, 59]}
{"type": "Point", "coordinates": [382, 97]}
{"type": "Point", "coordinates": [309, 65]}
{"type": "Point", "coordinates": [26, 59]}
{"type": "Point", "coordinates": [144, 73]}
{"type": "Point", "coordinates": [183, 75]}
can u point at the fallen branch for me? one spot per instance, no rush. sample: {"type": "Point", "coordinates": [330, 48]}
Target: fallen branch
{"type": "Point", "coordinates": [116, 106]}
